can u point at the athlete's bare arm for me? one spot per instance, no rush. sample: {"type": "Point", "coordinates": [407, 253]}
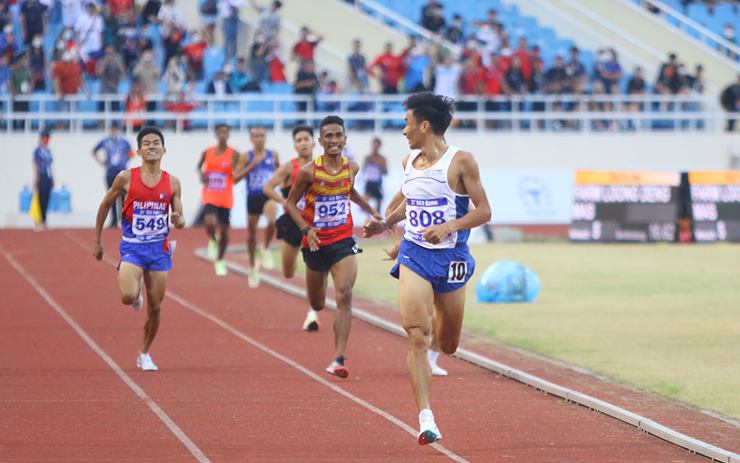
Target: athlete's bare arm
{"type": "Point", "coordinates": [178, 221]}
{"type": "Point", "coordinates": [465, 179]}
{"type": "Point", "coordinates": [280, 175]}
{"type": "Point", "coordinates": [244, 166]}
{"type": "Point", "coordinates": [120, 185]}
{"type": "Point", "coordinates": [202, 175]}
{"type": "Point", "coordinates": [275, 160]}
{"type": "Point", "coordinates": [235, 159]}
{"type": "Point", "coordinates": [302, 183]}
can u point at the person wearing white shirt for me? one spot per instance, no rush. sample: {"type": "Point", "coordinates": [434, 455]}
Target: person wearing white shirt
{"type": "Point", "coordinates": [170, 18]}
{"type": "Point", "coordinates": [230, 22]}
{"type": "Point", "coordinates": [447, 77]}
{"type": "Point", "coordinates": [71, 11]}
{"type": "Point", "coordinates": [89, 31]}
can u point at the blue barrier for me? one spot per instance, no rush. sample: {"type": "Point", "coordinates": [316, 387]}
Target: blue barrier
{"type": "Point", "coordinates": [59, 201]}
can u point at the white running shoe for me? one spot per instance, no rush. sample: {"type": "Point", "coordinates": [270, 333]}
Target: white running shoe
{"type": "Point", "coordinates": [253, 277]}
{"type": "Point", "coordinates": [428, 429]}
{"type": "Point", "coordinates": [436, 370]}
{"type": "Point", "coordinates": [221, 269]}
{"type": "Point", "coordinates": [144, 361]}
{"type": "Point", "coordinates": [312, 321]}
{"type": "Point", "coordinates": [212, 249]}
{"type": "Point", "coordinates": [337, 367]}
{"type": "Point", "coordinates": [140, 298]}
{"type": "Point", "coordinates": [266, 258]}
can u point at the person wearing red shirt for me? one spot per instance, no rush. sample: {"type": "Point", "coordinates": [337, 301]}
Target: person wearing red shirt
{"type": "Point", "coordinates": [524, 59]}
{"type": "Point", "coordinates": [492, 77]}
{"type": "Point", "coordinates": [303, 49]}
{"type": "Point", "coordinates": [470, 85]}
{"type": "Point", "coordinates": [182, 106]}
{"type": "Point", "coordinates": [136, 106]}
{"type": "Point", "coordinates": [391, 68]}
{"type": "Point", "coordinates": [194, 52]}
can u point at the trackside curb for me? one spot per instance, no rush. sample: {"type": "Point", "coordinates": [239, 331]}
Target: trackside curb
{"type": "Point", "coordinates": [643, 424]}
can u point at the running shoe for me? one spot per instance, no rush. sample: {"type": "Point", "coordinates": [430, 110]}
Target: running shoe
{"type": "Point", "coordinates": [140, 298]}
{"type": "Point", "coordinates": [253, 277]}
{"type": "Point", "coordinates": [266, 258]}
{"type": "Point", "coordinates": [312, 321]}
{"type": "Point", "coordinates": [212, 249]}
{"type": "Point", "coordinates": [221, 269]}
{"type": "Point", "coordinates": [144, 361]}
{"type": "Point", "coordinates": [436, 370]}
{"type": "Point", "coordinates": [337, 367]}
{"type": "Point", "coordinates": [428, 430]}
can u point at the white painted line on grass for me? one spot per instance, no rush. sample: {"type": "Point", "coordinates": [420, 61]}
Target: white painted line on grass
{"type": "Point", "coordinates": [642, 423]}
{"type": "Point", "coordinates": [113, 365]}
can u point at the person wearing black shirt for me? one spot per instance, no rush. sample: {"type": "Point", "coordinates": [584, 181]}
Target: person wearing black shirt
{"type": "Point", "coordinates": [556, 77]}
{"type": "Point", "coordinates": [306, 83]}
{"type": "Point", "coordinates": [730, 100]}
{"type": "Point", "coordinates": [150, 11]}
{"type": "Point", "coordinates": [33, 19]}
{"type": "Point", "coordinates": [427, 13]}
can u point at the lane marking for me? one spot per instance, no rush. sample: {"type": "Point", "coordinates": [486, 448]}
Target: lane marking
{"type": "Point", "coordinates": [295, 365]}
{"type": "Point", "coordinates": [112, 364]}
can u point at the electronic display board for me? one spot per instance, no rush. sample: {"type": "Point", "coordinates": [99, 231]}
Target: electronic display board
{"type": "Point", "coordinates": [715, 205]}
{"type": "Point", "coordinates": [633, 207]}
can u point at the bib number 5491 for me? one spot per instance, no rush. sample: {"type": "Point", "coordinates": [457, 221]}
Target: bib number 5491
{"type": "Point", "coordinates": [458, 272]}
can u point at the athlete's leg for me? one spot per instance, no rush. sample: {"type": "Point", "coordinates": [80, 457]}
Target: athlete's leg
{"type": "Point", "coordinates": [316, 285]}
{"type": "Point", "coordinates": [290, 259]}
{"type": "Point", "coordinates": [155, 283]}
{"type": "Point", "coordinates": [450, 308]}
{"type": "Point", "coordinates": [344, 274]}
{"type": "Point", "coordinates": [252, 221]}
{"type": "Point", "coordinates": [269, 211]}
{"type": "Point", "coordinates": [223, 240]}
{"type": "Point", "coordinates": [415, 301]}
{"type": "Point", "coordinates": [211, 221]}
{"type": "Point", "coordinates": [129, 281]}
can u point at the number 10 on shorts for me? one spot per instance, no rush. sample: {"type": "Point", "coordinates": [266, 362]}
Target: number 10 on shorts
{"type": "Point", "coordinates": [458, 272]}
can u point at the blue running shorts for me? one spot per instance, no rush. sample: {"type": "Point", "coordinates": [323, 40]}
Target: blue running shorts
{"type": "Point", "coordinates": [148, 256]}
{"type": "Point", "coordinates": [446, 269]}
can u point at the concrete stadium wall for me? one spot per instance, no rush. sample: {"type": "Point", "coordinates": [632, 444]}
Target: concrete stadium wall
{"type": "Point", "coordinates": [75, 168]}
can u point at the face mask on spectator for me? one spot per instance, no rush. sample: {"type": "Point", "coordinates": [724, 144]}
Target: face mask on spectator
{"type": "Point", "coordinates": [227, 69]}
{"type": "Point", "coordinates": [195, 38]}
{"type": "Point", "coordinates": [61, 46]}
{"type": "Point", "coordinates": [36, 43]}
{"type": "Point", "coordinates": [729, 33]}
{"type": "Point", "coordinates": [67, 35]}
{"type": "Point", "coordinates": [148, 58]}
{"type": "Point", "coordinates": [8, 29]}
{"type": "Point", "coordinates": [67, 57]}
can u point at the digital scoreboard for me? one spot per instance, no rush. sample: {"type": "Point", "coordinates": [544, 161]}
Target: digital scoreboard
{"type": "Point", "coordinates": [715, 205]}
{"type": "Point", "coordinates": [633, 207]}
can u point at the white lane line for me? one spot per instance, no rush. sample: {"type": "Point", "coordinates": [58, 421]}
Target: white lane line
{"type": "Point", "coordinates": [297, 366]}
{"type": "Point", "coordinates": [113, 365]}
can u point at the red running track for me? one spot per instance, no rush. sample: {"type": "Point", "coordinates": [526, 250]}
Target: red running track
{"type": "Point", "coordinates": [239, 381]}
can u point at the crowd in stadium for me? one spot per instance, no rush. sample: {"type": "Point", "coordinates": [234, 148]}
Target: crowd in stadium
{"type": "Point", "coordinates": [75, 46]}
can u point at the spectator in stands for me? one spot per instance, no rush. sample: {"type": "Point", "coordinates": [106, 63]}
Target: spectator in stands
{"type": "Point", "coordinates": [609, 70]}
{"type": "Point", "coordinates": [696, 83]}
{"type": "Point", "coordinates": [258, 58]}
{"type": "Point", "coordinates": [175, 76]}
{"type": "Point", "coordinates": [327, 87]}
{"type": "Point", "coordinates": [184, 106]}
{"type": "Point", "coordinates": [447, 78]}
{"type": "Point", "coordinates": [38, 64]}
{"type": "Point", "coordinates": [89, 30]}
{"type": "Point", "coordinates": [128, 49]}
{"type": "Point", "coordinates": [515, 82]}
{"type": "Point", "coordinates": [150, 12]}
{"type": "Point", "coordinates": [455, 32]}
{"type": "Point", "coordinates": [148, 73]}
{"type": "Point", "coordinates": [71, 11]}
{"type": "Point", "coordinates": [208, 19]}
{"type": "Point", "coordinates": [357, 69]}
{"type": "Point", "coordinates": [598, 91]}
{"type": "Point", "coordinates": [241, 81]}
{"type": "Point", "coordinates": [4, 74]}
{"type": "Point", "coordinates": [575, 70]}
{"type": "Point", "coordinates": [636, 86]}
{"type": "Point", "coordinates": [111, 72]}
{"type": "Point", "coordinates": [437, 22]}
{"type": "Point", "coordinates": [143, 43]}
{"type": "Point", "coordinates": [21, 84]}
{"type": "Point", "coordinates": [730, 101]}
{"type": "Point", "coordinates": [670, 83]}
{"type": "Point", "coordinates": [417, 63]}
{"type": "Point", "coordinates": [172, 30]}
{"type": "Point", "coordinates": [556, 78]}
{"type": "Point", "coordinates": [470, 85]}
{"type": "Point", "coordinates": [490, 40]}
{"type": "Point", "coordinates": [121, 7]}
{"type": "Point", "coordinates": [220, 85]}
{"type": "Point", "coordinates": [729, 33]}
{"type": "Point", "coordinates": [492, 76]}
{"type": "Point", "coordinates": [194, 55]}
{"type": "Point", "coordinates": [136, 106]}
{"type": "Point", "coordinates": [391, 68]}
{"type": "Point", "coordinates": [303, 49]}
{"type": "Point", "coordinates": [427, 13]}
{"type": "Point", "coordinates": [672, 63]}
{"type": "Point", "coordinates": [230, 23]}
{"type": "Point", "coordinates": [67, 79]}
{"type": "Point", "coordinates": [269, 19]}
{"type": "Point", "coordinates": [275, 63]}
{"type": "Point", "coordinates": [525, 61]}
{"type": "Point", "coordinates": [110, 32]}
{"type": "Point", "coordinates": [33, 19]}
{"type": "Point", "coordinates": [5, 16]}
{"type": "Point", "coordinates": [306, 83]}
{"type": "Point", "coordinates": [8, 46]}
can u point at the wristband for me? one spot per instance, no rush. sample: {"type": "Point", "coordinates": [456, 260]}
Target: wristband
{"type": "Point", "coordinates": [385, 224]}
{"type": "Point", "coordinates": [306, 230]}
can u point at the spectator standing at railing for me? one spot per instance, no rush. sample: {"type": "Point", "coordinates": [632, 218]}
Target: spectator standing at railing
{"type": "Point", "coordinates": [358, 80]}
{"type": "Point", "coordinates": [672, 63]}
{"type": "Point", "coordinates": [427, 13]}
{"type": "Point", "coordinates": [172, 30]}
{"type": "Point", "coordinates": [68, 81]}
{"type": "Point", "coordinates": [219, 86]}
{"type": "Point", "coordinates": [241, 81]}
{"type": "Point", "coordinates": [174, 76]}
{"type": "Point", "coordinates": [303, 49]}
{"type": "Point", "coordinates": [696, 83]}
{"type": "Point", "coordinates": [575, 70]}
{"type": "Point", "coordinates": [230, 10]}
{"type": "Point", "coordinates": [37, 58]}
{"type": "Point", "coordinates": [111, 72]}
{"type": "Point", "coordinates": [110, 31]}
{"type": "Point", "coordinates": [33, 19]}
{"type": "Point", "coordinates": [636, 86]}
{"type": "Point", "coordinates": [8, 46]}
{"type": "Point", "coordinates": [730, 101]}
{"type": "Point", "coordinates": [417, 64]}
{"type": "Point", "coordinates": [136, 105]}
{"type": "Point", "coordinates": [455, 33]}
{"type": "Point", "coordinates": [391, 68]}
{"type": "Point", "coordinates": [71, 11]}
{"type": "Point", "coordinates": [208, 18]}
{"type": "Point", "coordinates": [5, 16]}
{"type": "Point", "coordinates": [609, 70]}
{"type": "Point", "coordinates": [258, 58]}
{"type": "Point", "coordinates": [447, 78]}
{"type": "Point", "coordinates": [89, 31]}
{"type": "Point", "coordinates": [525, 61]}
{"type": "Point", "coordinates": [148, 73]}
{"type": "Point", "coordinates": [275, 63]}
{"type": "Point", "coordinates": [270, 19]}
{"type": "Point", "coordinates": [670, 83]}
{"type": "Point", "coordinates": [194, 55]}
{"type": "Point", "coordinates": [183, 106]}
{"type": "Point", "coordinates": [150, 12]}
{"type": "Point", "coordinates": [492, 77]}
{"type": "Point", "coordinates": [306, 83]}
{"type": "Point", "coordinates": [21, 85]}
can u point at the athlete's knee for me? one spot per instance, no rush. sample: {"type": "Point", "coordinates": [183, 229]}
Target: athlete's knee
{"type": "Point", "coordinates": [418, 339]}
{"type": "Point", "coordinates": [128, 298]}
{"type": "Point", "coordinates": [448, 346]}
{"type": "Point", "coordinates": [344, 295]}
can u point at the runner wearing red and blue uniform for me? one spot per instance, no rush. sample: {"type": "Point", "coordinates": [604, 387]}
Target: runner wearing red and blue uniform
{"type": "Point", "coordinates": [146, 254]}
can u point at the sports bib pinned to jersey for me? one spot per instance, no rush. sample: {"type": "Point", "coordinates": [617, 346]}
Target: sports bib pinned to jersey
{"type": "Point", "coordinates": [150, 224]}
{"type": "Point", "coordinates": [216, 181]}
{"type": "Point", "coordinates": [331, 211]}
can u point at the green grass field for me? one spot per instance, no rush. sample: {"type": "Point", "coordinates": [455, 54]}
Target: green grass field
{"type": "Point", "coordinates": [662, 318]}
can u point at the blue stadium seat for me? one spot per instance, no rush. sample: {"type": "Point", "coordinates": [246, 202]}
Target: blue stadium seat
{"type": "Point", "coordinates": [698, 12]}
{"type": "Point", "coordinates": [213, 62]}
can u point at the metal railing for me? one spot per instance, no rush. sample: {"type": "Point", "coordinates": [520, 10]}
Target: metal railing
{"type": "Point", "coordinates": [518, 114]}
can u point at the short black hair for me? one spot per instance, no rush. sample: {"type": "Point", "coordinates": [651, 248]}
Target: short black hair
{"type": "Point", "coordinates": [435, 109]}
{"type": "Point", "coordinates": [218, 126]}
{"type": "Point", "coordinates": [378, 140]}
{"type": "Point", "coordinates": [277, 4]}
{"type": "Point", "coordinates": [331, 120]}
{"type": "Point", "coordinates": [302, 128]}
{"type": "Point", "coordinates": [146, 130]}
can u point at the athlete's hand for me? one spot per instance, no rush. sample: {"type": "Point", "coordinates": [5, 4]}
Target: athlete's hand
{"type": "Point", "coordinates": [177, 220]}
{"type": "Point", "coordinates": [98, 251]}
{"type": "Point", "coordinates": [204, 178]}
{"type": "Point", "coordinates": [372, 227]}
{"type": "Point", "coordinates": [392, 252]}
{"type": "Point", "coordinates": [313, 240]}
{"type": "Point", "coordinates": [436, 233]}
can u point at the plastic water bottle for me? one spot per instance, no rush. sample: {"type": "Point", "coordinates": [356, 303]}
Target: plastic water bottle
{"type": "Point", "coordinates": [64, 200]}
{"type": "Point", "coordinates": [24, 199]}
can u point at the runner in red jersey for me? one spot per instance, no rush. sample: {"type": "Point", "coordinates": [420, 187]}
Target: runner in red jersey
{"type": "Point", "coordinates": [145, 251]}
{"type": "Point", "coordinates": [285, 176]}
{"type": "Point", "coordinates": [217, 170]}
{"type": "Point", "coordinates": [326, 223]}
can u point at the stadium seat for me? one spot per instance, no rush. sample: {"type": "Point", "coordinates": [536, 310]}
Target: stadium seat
{"type": "Point", "coordinates": [213, 62]}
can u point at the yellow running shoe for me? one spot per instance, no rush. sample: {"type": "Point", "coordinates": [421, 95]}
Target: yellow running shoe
{"type": "Point", "coordinates": [221, 269]}
{"type": "Point", "coordinates": [212, 249]}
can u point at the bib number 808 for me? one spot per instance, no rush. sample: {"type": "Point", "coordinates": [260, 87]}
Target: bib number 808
{"type": "Point", "coordinates": [425, 219]}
